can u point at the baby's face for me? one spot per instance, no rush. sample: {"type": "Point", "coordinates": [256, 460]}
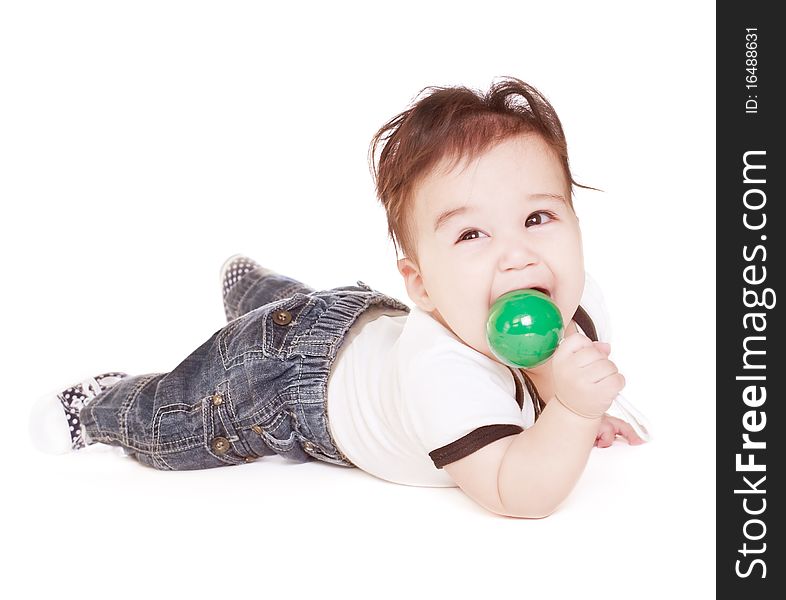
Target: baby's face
{"type": "Point", "coordinates": [518, 231]}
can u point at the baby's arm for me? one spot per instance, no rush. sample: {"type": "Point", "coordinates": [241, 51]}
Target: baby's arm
{"type": "Point", "coordinates": [530, 474]}
{"type": "Point", "coordinates": [543, 464]}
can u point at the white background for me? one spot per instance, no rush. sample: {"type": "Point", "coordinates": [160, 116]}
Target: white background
{"type": "Point", "coordinates": [141, 143]}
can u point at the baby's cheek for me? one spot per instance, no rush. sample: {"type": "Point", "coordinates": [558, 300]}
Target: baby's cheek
{"type": "Point", "coordinates": [481, 344]}
{"type": "Point", "coordinates": [475, 338]}
{"type": "Point", "coordinates": [470, 328]}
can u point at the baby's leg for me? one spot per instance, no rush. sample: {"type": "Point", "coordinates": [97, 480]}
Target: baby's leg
{"type": "Point", "coordinates": [253, 389]}
{"type": "Point", "coordinates": [164, 421]}
{"type": "Point", "coordinates": [247, 285]}
{"type": "Point", "coordinates": [189, 418]}
{"type": "Point", "coordinates": [198, 416]}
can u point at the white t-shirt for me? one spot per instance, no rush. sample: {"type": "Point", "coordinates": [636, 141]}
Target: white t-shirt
{"type": "Point", "coordinates": [406, 396]}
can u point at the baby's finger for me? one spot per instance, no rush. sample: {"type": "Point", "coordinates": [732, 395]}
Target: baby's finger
{"type": "Point", "coordinates": [599, 370]}
{"type": "Point", "coordinates": [604, 347]}
{"type": "Point", "coordinates": [574, 343]}
{"type": "Point", "coordinates": [587, 356]}
{"type": "Point", "coordinates": [605, 437]}
{"type": "Point", "coordinates": [627, 431]}
{"type": "Point", "coordinates": [613, 384]}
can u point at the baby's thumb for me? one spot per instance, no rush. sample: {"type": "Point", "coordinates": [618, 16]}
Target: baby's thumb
{"type": "Point", "coordinates": [603, 347]}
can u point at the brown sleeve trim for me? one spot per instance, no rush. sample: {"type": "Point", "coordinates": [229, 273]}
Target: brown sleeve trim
{"type": "Point", "coordinates": [518, 376]}
{"type": "Point", "coordinates": [474, 440]}
{"type": "Point", "coordinates": [585, 322]}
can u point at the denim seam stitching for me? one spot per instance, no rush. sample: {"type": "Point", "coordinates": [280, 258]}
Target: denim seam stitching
{"type": "Point", "coordinates": [267, 336]}
{"type": "Point", "coordinates": [229, 419]}
{"type": "Point", "coordinates": [223, 346]}
{"type": "Point", "coordinates": [208, 432]}
{"type": "Point", "coordinates": [156, 446]}
{"type": "Point", "coordinates": [125, 407]}
{"type": "Point", "coordinates": [297, 408]}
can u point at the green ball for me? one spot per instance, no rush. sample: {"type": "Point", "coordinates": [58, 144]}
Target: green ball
{"type": "Point", "coordinates": [524, 328]}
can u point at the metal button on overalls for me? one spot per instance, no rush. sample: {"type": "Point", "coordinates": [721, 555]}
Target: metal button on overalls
{"type": "Point", "coordinates": [220, 445]}
{"type": "Point", "coordinates": [282, 317]}
{"type": "Point", "coordinates": [217, 399]}
{"type": "Point", "coordinates": [309, 446]}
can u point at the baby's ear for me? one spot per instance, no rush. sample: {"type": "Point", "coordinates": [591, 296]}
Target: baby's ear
{"type": "Point", "coordinates": [414, 284]}
{"type": "Point", "coordinates": [404, 265]}
{"type": "Point", "coordinates": [409, 269]}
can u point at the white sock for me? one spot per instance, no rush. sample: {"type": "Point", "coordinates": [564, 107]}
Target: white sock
{"type": "Point", "coordinates": [49, 426]}
{"type": "Point", "coordinates": [55, 430]}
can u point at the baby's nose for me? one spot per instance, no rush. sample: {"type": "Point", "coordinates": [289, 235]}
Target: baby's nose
{"type": "Point", "coordinates": [518, 255]}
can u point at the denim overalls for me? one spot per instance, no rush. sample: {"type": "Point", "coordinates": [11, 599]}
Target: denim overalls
{"type": "Point", "coordinates": [257, 387]}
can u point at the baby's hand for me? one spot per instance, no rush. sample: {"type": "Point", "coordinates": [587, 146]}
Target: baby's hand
{"type": "Point", "coordinates": [585, 380]}
{"type": "Point", "coordinates": [611, 427]}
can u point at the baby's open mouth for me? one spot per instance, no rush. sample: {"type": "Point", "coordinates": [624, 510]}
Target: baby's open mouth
{"type": "Point", "coordinates": [542, 290]}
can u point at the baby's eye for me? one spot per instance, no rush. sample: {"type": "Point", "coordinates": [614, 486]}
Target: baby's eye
{"type": "Point", "coordinates": [536, 218]}
{"type": "Point", "coordinates": [464, 235]}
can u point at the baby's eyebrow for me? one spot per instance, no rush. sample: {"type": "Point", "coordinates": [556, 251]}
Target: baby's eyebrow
{"type": "Point", "coordinates": [447, 215]}
{"type": "Point", "coordinates": [550, 197]}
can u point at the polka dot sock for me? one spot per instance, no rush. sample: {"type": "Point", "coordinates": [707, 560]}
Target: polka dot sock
{"type": "Point", "coordinates": [54, 426]}
{"type": "Point", "coordinates": [234, 269]}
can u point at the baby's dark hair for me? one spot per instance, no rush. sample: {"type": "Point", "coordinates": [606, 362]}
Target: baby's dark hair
{"type": "Point", "coordinates": [456, 123]}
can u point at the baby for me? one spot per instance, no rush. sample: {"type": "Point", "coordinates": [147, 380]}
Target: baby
{"type": "Point", "coordinates": [478, 195]}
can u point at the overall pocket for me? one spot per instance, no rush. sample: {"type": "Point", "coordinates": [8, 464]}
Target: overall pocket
{"type": "Point", "coordinates": [283, 436]}
{"type": "Point", "coordinates": [199, 436]}
{"type": "Point", "coordinates": [317, 451]}
{"type": "Point", "coordinates": [269, 331]}
{"type": "Point", "coordinates": [277, 432]}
